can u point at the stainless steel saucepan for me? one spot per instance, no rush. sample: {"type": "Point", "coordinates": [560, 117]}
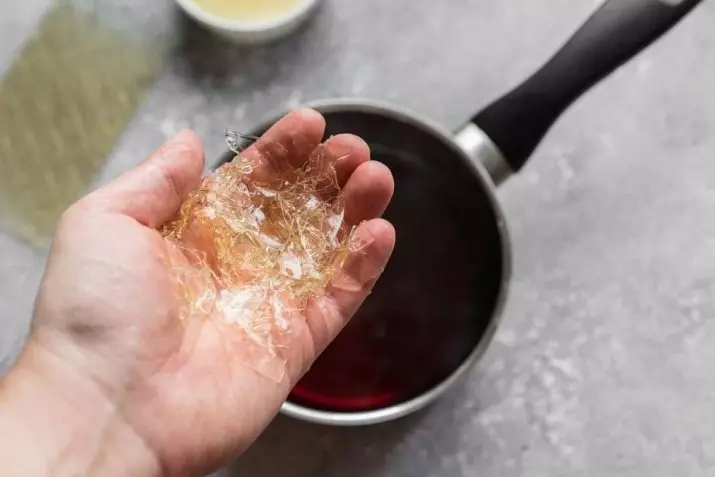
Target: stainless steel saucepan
{"type": "Point", "coordinates": [435, 310]}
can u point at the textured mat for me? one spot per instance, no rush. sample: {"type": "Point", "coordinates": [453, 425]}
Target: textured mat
{"type": "Point", "coordinates": [65, 100]}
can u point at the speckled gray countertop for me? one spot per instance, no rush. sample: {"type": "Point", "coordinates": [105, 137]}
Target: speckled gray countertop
{"type": "Point", "coordinates": [603, 365]}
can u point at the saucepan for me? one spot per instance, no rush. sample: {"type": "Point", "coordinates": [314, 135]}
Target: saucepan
{"type": "Point", "coordinates": [434, 311]}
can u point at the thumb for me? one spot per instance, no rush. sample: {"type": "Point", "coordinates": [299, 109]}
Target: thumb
{"type": "Point", "coordinates": [153, 191]}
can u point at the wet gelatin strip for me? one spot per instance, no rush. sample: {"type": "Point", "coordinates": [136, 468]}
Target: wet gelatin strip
{"type": "Point", "coordinates": [258, 251]}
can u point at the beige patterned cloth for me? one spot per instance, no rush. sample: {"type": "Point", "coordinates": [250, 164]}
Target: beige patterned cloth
{"type": "Point", "coordinates": [68, 96]}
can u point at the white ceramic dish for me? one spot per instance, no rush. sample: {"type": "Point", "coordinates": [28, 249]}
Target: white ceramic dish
{"type": "Point", "coordinates": [251, 32]}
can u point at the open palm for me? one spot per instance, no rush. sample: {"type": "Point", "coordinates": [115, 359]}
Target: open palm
{"type": "Point", "coordinates": [107, 305]}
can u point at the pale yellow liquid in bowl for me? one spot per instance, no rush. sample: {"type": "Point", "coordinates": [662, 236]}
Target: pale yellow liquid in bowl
{"type": "Point", "coordinates": [248, 10]}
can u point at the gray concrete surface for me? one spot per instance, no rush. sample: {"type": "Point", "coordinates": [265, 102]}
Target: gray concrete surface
{"type": "Point", "coordinates": [603, 365]}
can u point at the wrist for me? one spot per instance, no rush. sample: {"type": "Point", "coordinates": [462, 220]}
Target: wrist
{"type": "Point", "coordinates": [58, 422]}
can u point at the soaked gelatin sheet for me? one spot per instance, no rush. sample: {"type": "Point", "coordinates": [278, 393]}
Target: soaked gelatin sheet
{"type": "Point", "coordinates": [252, 253]}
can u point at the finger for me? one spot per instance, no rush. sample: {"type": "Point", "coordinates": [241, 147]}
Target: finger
{"type": "Point", "coordinates": [336, 159]}
{"type": "Point", "coordinates": [347, 152]}
{"type": "Point", "coordinates": [289, 142]}
{"type": "Point", "coordinates": [153, 191]}
{"type": "Point", "coordinates": [327, 315]}
{"type": "Point", "coordinates": [367, 192]}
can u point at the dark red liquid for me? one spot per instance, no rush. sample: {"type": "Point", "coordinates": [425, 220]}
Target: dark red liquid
{"type": "Point", "coordinates": [439, 292]}
{"type": "Point", "coordinates": [431, 307]}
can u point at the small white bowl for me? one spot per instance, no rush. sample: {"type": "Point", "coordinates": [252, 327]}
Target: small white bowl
{"type": "Point", "coordinates": [251, 32]}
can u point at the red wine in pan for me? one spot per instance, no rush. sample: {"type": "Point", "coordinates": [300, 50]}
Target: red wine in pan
{"type": "Point", "coordinates": [429, 310]}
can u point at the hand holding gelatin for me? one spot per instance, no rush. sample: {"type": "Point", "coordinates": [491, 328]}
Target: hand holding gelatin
{"type": "Point", "coordinates": [149, 352]}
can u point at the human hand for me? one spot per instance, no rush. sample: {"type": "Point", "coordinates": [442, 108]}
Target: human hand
{"type": "Point", "coordinates": [111, 382]}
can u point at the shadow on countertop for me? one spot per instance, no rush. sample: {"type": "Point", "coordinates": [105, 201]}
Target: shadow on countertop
{"type": "Point", "coordinates": [413, 445]}
{"type": "Point", "coordinates": [292, 448]}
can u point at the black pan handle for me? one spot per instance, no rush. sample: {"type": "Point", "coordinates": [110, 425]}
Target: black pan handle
{"type": "Point", "coordinates": [615, 33]}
